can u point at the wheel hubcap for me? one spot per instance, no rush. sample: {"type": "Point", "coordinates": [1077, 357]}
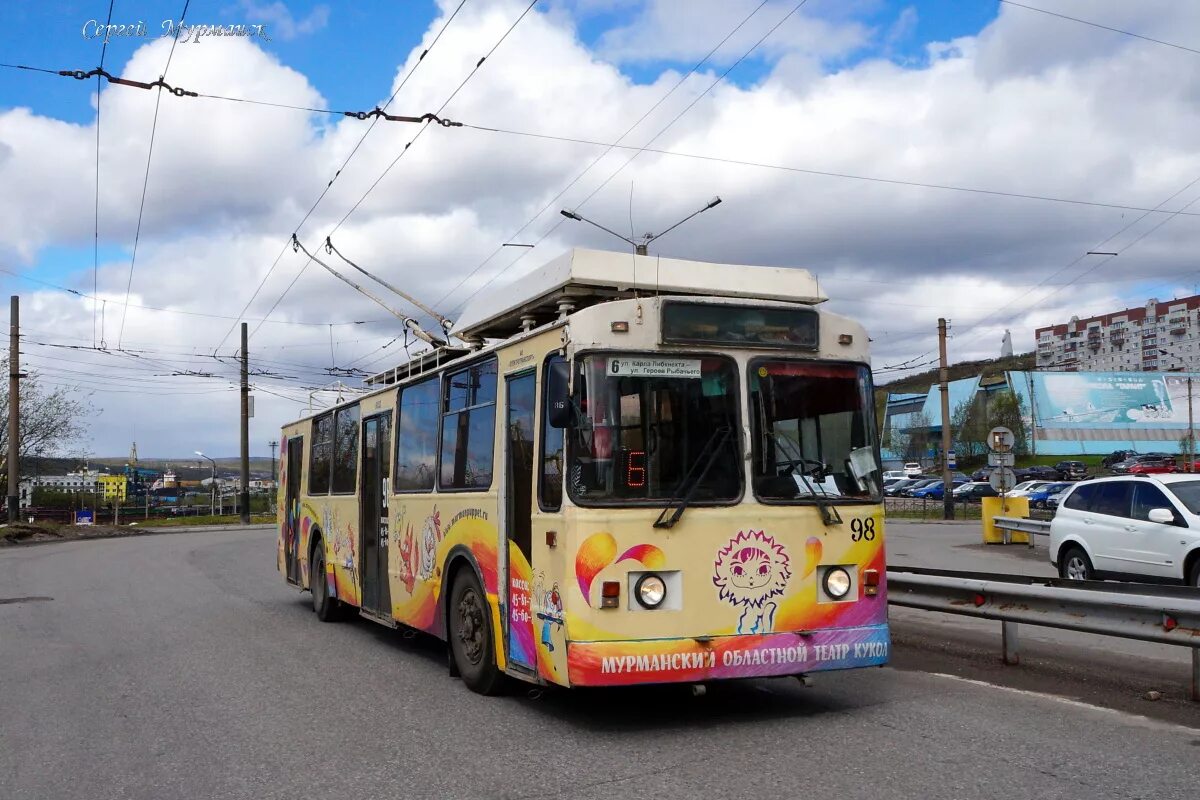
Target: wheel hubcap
{"type": "Point", "coordinates": [1076, 569]}
{"type": "Point", "coordinates": [470, 626]}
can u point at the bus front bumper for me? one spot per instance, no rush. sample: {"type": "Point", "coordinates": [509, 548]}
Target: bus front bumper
{"type": "Point", "coordinates": [725, 657]}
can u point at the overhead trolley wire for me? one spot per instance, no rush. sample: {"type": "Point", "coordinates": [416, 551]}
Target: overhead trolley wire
{"type": "Point", "coordinates": [653, 139]}
{"type": "Point", "coordinates": [404, 150]}
{"type": "Point", "coordinates": [146, 180]}
{"type": "Point", "coordinates": [321, 196]}
{"type": "Point", "coordinates": [96, 209]}
{"type": "Point", "coordinates": [597, 159]}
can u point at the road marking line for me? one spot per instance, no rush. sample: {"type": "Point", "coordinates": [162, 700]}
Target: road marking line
{"type": "Point", "coordinates": [1144, 720]}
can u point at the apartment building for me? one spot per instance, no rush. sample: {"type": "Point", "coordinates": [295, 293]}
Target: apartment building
{"type": "Point", "coordinates": [1159, 337]}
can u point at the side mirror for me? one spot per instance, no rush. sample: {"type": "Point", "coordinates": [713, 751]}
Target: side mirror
{"type": "Point", "coordinates": [560, 412]}
{"type": "Point", "coordinates": [1163, 516]}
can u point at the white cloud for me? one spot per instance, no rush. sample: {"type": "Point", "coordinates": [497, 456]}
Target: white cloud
{"type": "Point", "coordinates": [1032, 105]}
{"type": "Point", "coordinates": [281, 23]}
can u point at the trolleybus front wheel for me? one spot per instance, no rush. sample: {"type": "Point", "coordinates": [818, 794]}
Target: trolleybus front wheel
{"type": "Point", "coordinates": [470, 635]}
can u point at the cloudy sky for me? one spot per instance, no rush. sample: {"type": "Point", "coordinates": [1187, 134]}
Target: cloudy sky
{"type": "Point", "coordinates": [951, 158]}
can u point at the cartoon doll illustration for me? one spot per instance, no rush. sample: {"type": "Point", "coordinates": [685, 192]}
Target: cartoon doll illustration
{"type": "Point", "coordinates": [551, 613]}
{"type": "Point", "coordinates": [748, 572]}
{"type": "Point", "coordinates": [431, 536]}
{"type": "Point", "coordinates": [406, 560]}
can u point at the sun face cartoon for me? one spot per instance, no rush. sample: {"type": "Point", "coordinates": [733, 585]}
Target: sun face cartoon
{"type": "Point", "coordinates": [748, 572]}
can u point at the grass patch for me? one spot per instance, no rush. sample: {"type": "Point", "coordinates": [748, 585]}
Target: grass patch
{"type": "Point", "coordinates": [206, 519]}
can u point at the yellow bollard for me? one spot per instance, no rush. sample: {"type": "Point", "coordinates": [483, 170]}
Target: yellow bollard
{"type": "Point", "coordinates": [1003, 507]}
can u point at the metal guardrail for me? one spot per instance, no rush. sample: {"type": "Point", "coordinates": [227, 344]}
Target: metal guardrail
{"type": "Point", "coordinates": [1034, 527]}
{"type": "Point", "coordinates": [1161, 614]}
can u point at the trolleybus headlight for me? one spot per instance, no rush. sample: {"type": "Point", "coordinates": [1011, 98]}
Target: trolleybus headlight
{"type": "Point", "coordinates": [650, 590]}
{"type": "Point", "coordinates": [836, 583]}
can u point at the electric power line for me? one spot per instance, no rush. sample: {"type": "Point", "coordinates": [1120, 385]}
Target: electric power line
{"type": "Point", "coordinates": [1102, 27]}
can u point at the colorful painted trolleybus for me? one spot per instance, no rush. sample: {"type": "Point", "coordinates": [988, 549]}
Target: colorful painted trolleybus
{"type": "Point", "coordinates": [630, 470]}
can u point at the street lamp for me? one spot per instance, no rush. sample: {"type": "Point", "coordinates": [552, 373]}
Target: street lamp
{"type": "Point", "coordinates": [212, 496]}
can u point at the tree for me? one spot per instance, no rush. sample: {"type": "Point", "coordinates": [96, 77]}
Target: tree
{"type": "Point", "coordinates": [1008, 409]}
{"type": "Point", "coordinates": [913, 441]}
{"type": "Point", "coordinates": [969, 425]}
{"type": "Point", "coordinates": [51, 419]}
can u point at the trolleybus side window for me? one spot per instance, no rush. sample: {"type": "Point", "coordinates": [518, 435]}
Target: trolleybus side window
{"type": "Point", "coordinates": [468, 427]}
{"type": "Point", "coordinates": [812, 431]}
{"type": "Point", "coordinates": [345, 451]}
{"type": "Point", "coordinates": [550, 476]}
{"type": "Point", "coordinates": [417, 436]}
{"type": "Point", "coordinates": [321, 454]}
{"type": "Point", "coordinates": [650, 428]}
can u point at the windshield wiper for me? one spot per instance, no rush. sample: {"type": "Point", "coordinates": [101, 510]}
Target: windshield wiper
{"type": "Point", "coordinates": [704, 461]}
{"type": "Point", "coordinates": [829, 514]}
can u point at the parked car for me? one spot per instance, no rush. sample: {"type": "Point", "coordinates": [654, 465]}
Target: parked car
{"type": "Point", "coordinates": [1071, 470]}
{"type": "Point", "coordinates": [1152, 466]}
{"type": "Point", "coordinates": [1116, 457]}
{"type": "Point", "coordinates": [1144, 529]}
{"type": "Point", "coordinates": [1023, 488]}
{"type": "Point", "coordinates": [1040, 497]}
{"type": "Point", "coordinates": [1053, 501]}
{"type": "Point", "coordinates": [982, 474]}
{"type": "Point", "coordinates": [912, 469]}
{"type": "Point", "coordinates": [921, 484]}
{"type": "Point", "coordinates": [894, 475]}
{"type": "Point", "coordinates": [934, 491]}
{"type": "Point", "coordinates": [887, 482]}
{"type": "Point", "coordinates": [973, 491]}
{"type": "Point", "coordinates": [899, 486]}
{"type": "Point", "coordinates": [1037, 472]}
{"type": "Point", "coordinates": [1123, 467]}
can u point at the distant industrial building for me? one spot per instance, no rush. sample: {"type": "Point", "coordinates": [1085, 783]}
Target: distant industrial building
{"type": "Point", "coordinates": [1159, 337]}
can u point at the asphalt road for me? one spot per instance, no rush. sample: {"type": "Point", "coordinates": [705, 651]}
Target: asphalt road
{"type": "Point", "coordinates": [182, 667]}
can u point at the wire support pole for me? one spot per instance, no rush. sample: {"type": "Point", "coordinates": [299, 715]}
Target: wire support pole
{"type": "Point", "coordinates": [944, 386]}
{"type": "Point", "coordinates": [14, 407]}
{"type": "Point", "coordinates": [244, 493]}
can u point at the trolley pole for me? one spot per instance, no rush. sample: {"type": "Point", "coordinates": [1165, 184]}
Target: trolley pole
{"type": "Point", "coordinates": [943, 378]}
{"type": "Point", "coordinates": [244, 494]}
{"type": "Point", "coordinates": [14, 407]}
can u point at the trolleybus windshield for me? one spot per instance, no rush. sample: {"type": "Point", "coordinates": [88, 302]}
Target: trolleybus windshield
{"type": "Point", "coordinates": [645, 419]}
{"type": "Point", "coordinates": [812, 431]}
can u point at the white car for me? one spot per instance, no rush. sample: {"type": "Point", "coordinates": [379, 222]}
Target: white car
{"type": "Point", "coordinates": [912, 469]}
{"type": "Point", "coordinates": [894, 475]}
{"type": "Point", "coordinates": [1142, 528]}
{"type": "Point", "coordinates": [1026, 488]}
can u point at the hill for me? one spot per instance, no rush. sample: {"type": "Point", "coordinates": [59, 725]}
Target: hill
{"type": "Point", "coordinates": [985, 368]}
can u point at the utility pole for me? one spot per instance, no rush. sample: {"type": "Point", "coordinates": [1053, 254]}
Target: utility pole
{"type": "Point", "coordinates": [244, 494]}
{"type": "Point", "coordinates": [943, 378]}
{"type": "Point", "coordinates": [273, 446]}
{"type": "Point", "coordinates": [14, 406]}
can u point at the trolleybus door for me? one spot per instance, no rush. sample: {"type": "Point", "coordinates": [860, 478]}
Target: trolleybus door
{"type": "Point", "coordinates": [376, 469]}
{"type": "Point", "coordinates": [291, 514]}
{"type": "Point", "coordinates": [521, 398]}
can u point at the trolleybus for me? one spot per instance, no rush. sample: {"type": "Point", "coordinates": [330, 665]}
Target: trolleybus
{"type": "Point", "coordinates": [633, 470]}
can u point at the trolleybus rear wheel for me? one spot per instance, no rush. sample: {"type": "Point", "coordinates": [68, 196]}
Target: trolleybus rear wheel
{"type": "Point", "coordinates": [470, 635]}
{"type": "Point", "coordinates": [325, 606]}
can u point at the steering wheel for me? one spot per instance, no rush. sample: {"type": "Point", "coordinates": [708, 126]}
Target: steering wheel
{"type": "Point", "coordinates": [819, 468]}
